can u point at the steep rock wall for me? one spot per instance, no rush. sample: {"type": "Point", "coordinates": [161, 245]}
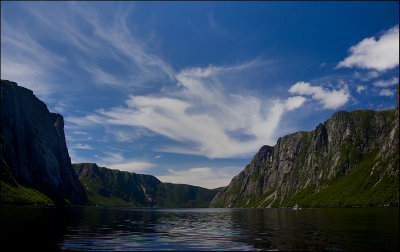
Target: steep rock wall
{"type": "Point", "coordinates": [33, 146]}
{"type": "Point", "coordinates": [351, 159]}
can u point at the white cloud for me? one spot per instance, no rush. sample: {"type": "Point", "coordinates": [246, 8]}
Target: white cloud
{"type": "Point", "coordinates": [366, 77]}
{"type": "Point", "coordinates": [203, 176]}
{"type": "Point", "coordinates": [77, 132]}
{"type": "Point", "coordinates": [387, 92]}
{"type": "Point", "coordinates": [361, 88]}
{"type": "Point", "coordinates": [381, 54]}
{"type": "Point", "coordinates": [132, 166]}
{"type": "Point", "coordinates": [204, 114]}
{"type": "Point", "coordinates": [294, 102]}
{"type": "Point", "coordinates": [158, 157]}
{"type": "Point", "coordinates": [88, 120]}
{"type": "Point", "coordinates": [330, 99]}
{"type": "Point", "coordinates": [82, 146]}
{"type": "Point", "coordinates": [127, 134]}
{"type": "Point", "coordinates": [110, 158]}
{"type": "Point", "coordinates": [387, 83]}
{"type": "Point", "coordinates": [116, 161]}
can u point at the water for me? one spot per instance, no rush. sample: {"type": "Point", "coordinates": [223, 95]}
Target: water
{"type": "Point", "coordinates": [112, 228]}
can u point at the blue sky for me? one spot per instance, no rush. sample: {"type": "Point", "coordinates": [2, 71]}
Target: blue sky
{"type": "Point", "coordinates": [189, 91]}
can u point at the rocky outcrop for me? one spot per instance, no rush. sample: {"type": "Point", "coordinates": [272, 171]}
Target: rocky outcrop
{"type": "Point", "coordinates": [351, 159]}
{"type": "Point", "coordinates": [109, 187]}
{"type": "Point", "coordinates": [33, 146]}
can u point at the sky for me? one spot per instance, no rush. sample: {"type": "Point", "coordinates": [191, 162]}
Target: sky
{"type": "Point", "coordinates": [190, 91]}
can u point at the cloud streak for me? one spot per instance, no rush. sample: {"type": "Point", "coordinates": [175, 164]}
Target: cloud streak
{"type": "Point", "coordinates": [89, 40]}
{"type": "Point", "coordinates": [387, 92]}
{"type": "Point", "coordinates": [386, 83]}
{"type": "Point", "coordinates": [26, 61]}
{"type": "Point", "coordinates": [82, 146]}
{"type": "Point", "coordinates": [203, 114]}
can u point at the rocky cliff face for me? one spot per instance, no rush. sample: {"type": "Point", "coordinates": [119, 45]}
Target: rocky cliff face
{"type": "Point", "coordinates": [110, 187]}
{"type": "Point", "coordinates": [33, 146]}
{"type": "Point", "coordinates": [351, 159]}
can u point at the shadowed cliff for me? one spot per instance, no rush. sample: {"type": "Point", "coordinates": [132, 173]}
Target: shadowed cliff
{"type": "Point", "coordinates": [34, 155]}
{"type": "Point", "coordinates": [352, 159]}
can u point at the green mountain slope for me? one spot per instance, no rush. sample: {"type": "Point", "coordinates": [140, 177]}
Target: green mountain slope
{"type": "Point", "coordinates": [110, 187]}
{"type": "Point", "coordinates": [352, 159]}
{"type": "Point", "coordinates": [13, 192]}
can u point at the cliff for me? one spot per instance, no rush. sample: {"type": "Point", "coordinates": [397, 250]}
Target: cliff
{"type": "Point", "coordinates": [109, 187]}
{"type": "Point", "coordinates": [33, 151]}
{"type": "Point", "coordinates": [352, 159]}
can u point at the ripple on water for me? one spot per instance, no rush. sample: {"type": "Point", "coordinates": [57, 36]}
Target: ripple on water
{"type": "Point", "coordinates": [102, 229]}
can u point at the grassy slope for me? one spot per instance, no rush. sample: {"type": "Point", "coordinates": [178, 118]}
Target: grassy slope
{"type": "Point", "coordinates": [22, 195]}
{"type": "Point", "coordinates": [13, 192]}
{"type": "Point", "coordinates": [109, 187]}
{"type": "Point", "coordinates": [180, 195]}
{"type": "Point", "coordinates": [359, 188]}
{"type": "Point", "coordinates": [366, 185]}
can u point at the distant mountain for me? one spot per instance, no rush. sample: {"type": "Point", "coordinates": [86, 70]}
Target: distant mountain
{"type": "Point", "coordinates": [109, 187]}
{"type": "Point", "coordinates": [352, 159]}
{"type": "Point", "coordinates": [35, 166]}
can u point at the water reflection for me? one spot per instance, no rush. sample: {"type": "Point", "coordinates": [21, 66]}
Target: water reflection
{"type": "Point", "coordinates": [154, 229]}
{"type": "Point", "coordinates": [322, 229]}
{"type": "Point", "coordinates": [28, 227]}
{"type": "Point", "coordinates": [106, 228]}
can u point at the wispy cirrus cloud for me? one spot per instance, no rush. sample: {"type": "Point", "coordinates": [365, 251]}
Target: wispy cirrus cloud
{"type": "Point", "coordinates": [378, 54]}
{"type": "Point", "coordinates": [125, 47]}
{"type": "Point", "coordinates": [82, 146]}
{"type": "Point", "coordinates": [89, 38]}
{"type": "Point", "coordinates": [24, 60]}
{"type": "Point", "coordinates": [216, 122]}
{"type": "Point", "coordinates": [199, 110]}
{"type": "Point", "coordinates": [88, 120]}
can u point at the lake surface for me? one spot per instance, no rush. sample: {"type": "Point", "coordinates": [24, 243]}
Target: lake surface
{"type": "Point", "coordinates": [113, 228]}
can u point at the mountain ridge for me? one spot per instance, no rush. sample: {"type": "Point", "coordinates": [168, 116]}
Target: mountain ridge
{"type": "Point", "coordinates": [106, 186]}
{"type": "Point", "coordinates": [305, 167]}
{"type": "Point", "coordinates": [35, 167]}
{"type": "Point", "coordinates": [352, 159]}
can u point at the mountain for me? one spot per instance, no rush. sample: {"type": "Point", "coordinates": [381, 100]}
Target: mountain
{"type": "Point", "coordinates": [352, 159]}
{"type": "Point", "coordinates": [35, 165]}
{"type": "Point", "coordinates": [109, 187]}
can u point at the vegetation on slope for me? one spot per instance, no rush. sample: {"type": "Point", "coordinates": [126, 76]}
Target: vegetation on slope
{"type": "Point", "coordinates": [350, 160]}
{"type": "Point", "coordinates": [108, 187]}
{"type": "Point", "coordinates": [13, 192]}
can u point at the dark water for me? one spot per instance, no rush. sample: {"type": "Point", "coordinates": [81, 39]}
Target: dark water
{"type": "Point", "coordinates": [106, 228]}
